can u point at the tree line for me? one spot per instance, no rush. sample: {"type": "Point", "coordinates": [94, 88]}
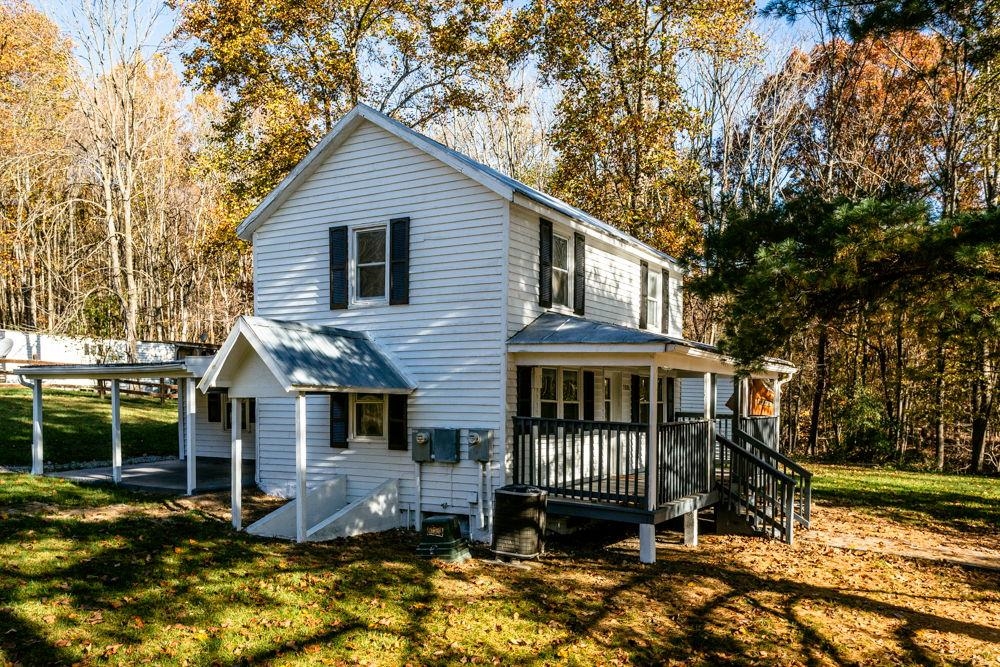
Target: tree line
{"type": "Point", "coordinates": [834, 198]}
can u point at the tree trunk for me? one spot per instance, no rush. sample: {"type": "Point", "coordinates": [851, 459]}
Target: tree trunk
{"type": "Point", "coordinates": [938, 402]}
{"type": "Point", "coordinates": [820, 392]}
{"type": "Point", "coordinates": [978, 442]}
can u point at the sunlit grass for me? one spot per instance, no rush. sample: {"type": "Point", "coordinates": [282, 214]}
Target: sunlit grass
{"type": "Point", "coordinates": [77, 426]}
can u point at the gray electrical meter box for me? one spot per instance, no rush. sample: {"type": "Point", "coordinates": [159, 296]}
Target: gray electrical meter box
{"type": "Point", "coordinates": [422, 440]}
{"type": "Point", "coordinates": [445, 446]}
{"type": "Point", "coordinates": [480, 442]}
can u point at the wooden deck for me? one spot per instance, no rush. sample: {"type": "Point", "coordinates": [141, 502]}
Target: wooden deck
{"type": "Point", "coordinates": [609, 511]}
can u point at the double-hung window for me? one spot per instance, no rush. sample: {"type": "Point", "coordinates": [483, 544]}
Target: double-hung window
{"type": "Point", "coordinates": [560, 393]}
{"type": "Point", "coordinates": [370, 256]}
{"type": "Point", "coordinates": [369, 416]}
{"type": "Point", "coordinates": [644, 401]}
{"type": "Point", "coordinates": [560, 270]}
{"type": "Point", "coordinates": [653, 300]}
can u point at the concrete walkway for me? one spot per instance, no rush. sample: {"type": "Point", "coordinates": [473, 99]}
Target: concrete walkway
{"type": "Point", "coordinates": [164, 476]}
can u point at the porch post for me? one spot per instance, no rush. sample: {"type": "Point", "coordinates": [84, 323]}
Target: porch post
{"type": "Point", "coordinates": [116, 432]}
{"type": "Point", "coordinates": [300, 468]}
{"type": "Point", "coordinates": [647, 531]}
{"type": "Point", "coordinates": [37, 462]}
{"type": "Point", "coordinates": [181, 393]}
{"type": "Point", "coordinates": [236, 470]}
{"type": "Point", "coordinates": [777, 414]}
{"type": "Point", "coordinates": [739, 384]}
{"type": "Point", "coordinates": [190, 404]}
{"type": "Point", "coordinates": [709, 410]}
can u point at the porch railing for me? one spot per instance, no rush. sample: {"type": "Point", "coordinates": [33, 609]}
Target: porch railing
{"type": "Point", "coordinates": [764, 429]}
{"type": "Point", "coordinates": [777, 460]}
{"type": "Point", "coordinates": [684, 460]}
{"type": "Point", "coordinates": [586, 460]}
{"type": "Point", "coordinates": [756, 490]}
{"type": "Point", "coordinates": [723, 424]}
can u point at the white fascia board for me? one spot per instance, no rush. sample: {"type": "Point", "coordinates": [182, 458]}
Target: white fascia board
{"type": "Point", "coordinates": [242, 329]}
{"type": "Point", "coordinates": [588, 359]}
{"type": "Point", "coordinates": [335, 138]}
{"type": "Point", "coordinates": [618, 242]}
{"type": "Point", "coordinates": [582, 348]}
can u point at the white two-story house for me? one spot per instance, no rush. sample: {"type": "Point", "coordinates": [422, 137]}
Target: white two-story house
{"type": "Point", "coordinates": [427, 330]}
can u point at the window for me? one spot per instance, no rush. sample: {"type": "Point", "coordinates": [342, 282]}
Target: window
{"type": "Point", "coordinates": [370, 279]}
{"type": "Point", "coordinates": [644, 401]}
{"type": "Point", "coordinates": [214, 399]}
{"type": "Point", "coordinates": [560, 271]}
{"type": "Point", "coordinates": [369, 416]}
{"type": "Point", "coordinates": [560, 393]}
{"type": "Point", "coordinates": [652, 300]}
{"type": "Point", "coordinates": [608, 414]}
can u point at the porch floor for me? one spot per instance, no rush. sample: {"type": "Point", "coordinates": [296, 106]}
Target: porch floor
{"type": "Point", "coordinates": [168, 476]}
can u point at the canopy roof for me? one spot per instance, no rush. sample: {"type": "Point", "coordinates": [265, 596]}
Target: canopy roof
{"type": "Point", "coordinates": [302, 358]}
{"type": "Point", "coordinates": [159, 369]}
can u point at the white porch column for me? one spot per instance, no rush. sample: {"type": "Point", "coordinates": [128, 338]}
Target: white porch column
{"type": "Point", "coordinates": [647, 531]}
{"type": "Point", "coordinates": [190, 405]}
{"type": "Point", "coordinates": [116, 432]}
{"type": "Point", "coordinates": [181, 392]}
{"type": "Point", "coordinates": [300, 468]}
{"type": "Point", "coordinates": [236, 471]}
{"type": "Point", "coordinates": [777, 414]}
{"type": "Point", "coordinates": [739, 385]}
{"type": "Point", "coordinates": [709, 411]}
{"type": "Point", "coordinates": [37, 462]}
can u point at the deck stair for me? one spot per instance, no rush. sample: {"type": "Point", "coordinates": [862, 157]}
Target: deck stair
{"type": "Point", "coordinates": [769, 491]}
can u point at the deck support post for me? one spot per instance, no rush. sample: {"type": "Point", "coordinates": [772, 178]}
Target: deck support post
{"type": "Point", "coordinates": [116, 432]}
{"type": "Point", "coordinates": [236, 460]}
{"type": "Point", "coordinates": [691, 529]}
{"type": "Point", "coordinates": [181, 393]}
{"type": "Point", "coordinates": [300, 468]}
{"type": "Point", "coordinates": [647, 531]}
{"type": "Point", "coordinates": [190, 404]}
{"type": "Point", "coordinates": [37, 461]}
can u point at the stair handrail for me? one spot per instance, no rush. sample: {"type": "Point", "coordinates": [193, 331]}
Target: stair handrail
{"type": "Point", "coordinates": [804, 486]}
{"type": "Point", "coordinates": [786, 481]}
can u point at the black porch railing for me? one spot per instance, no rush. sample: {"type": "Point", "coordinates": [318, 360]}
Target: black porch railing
{"type": "Point", "coordinates": [763, 429]}
{"type": "Point", "coordinates": [753, 488]}
{"type": "Point", "coordinates": [783, 464]}
{"type": "Point", "coordinates": [587, 460]}
{"type": "Point", "coordinates": [684, 460]}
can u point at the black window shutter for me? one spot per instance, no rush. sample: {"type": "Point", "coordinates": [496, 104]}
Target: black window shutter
{"type": "Point", "coordinates": [579, 273]}
{"type": "Point", "coordinates": [636, 417]}
{"type": "Point", "coordinates": [214, 406]}
{"type": "Point", "coordinates": [588, 395]}
{"type": "Point", "coordinates": [643, 293]}
{"type": "Point", "coordinates": [524, 391]}
{"type": "Point", "coordinates": [339, 409]}
{"type": "Point", "coordinates": [399, 261]}
{"type": "Point", "coordinates": [665, 301]}
{"type": "Point", "coordinates": [671, 390]}
{"type": "Point", "coordinates": [397, 422]}
{"type": "Point", "coordinates": [338, 268]}
{"type": "Point", "coordinates": [545, 263]}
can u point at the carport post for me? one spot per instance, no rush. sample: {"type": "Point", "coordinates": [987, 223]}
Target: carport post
{"type": "Point", "coordinates": [116, 432]}
{"type": "Point", "coordinates": [190, 402]}
{"type": "Point", "coordinates": [37, 463]}
{"type": "Point", "coordinates": [236, 455]}
{"type": "Point", "coordinates": [300, 467]}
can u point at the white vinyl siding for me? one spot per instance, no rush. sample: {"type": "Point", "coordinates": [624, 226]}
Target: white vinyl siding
{"type": "Point", "coordinates": [449, 339]}
{"type": "Point", "coordinates": [213, 439]}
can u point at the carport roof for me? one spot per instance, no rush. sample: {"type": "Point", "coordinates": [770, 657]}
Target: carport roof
{"type": "Point", "coordinates": [159, 369]}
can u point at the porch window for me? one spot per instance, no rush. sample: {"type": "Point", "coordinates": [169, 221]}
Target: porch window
{"type": "Point", "coordinates": [644, 402]}
{"type": "Point", "coordinates": [608, 415]}
{"type": "Point", "coordinates": [559, 393]}
{"type": "Point", "coordinates": [369, 416]}
{"type": "Point", "coordinates": [370, 258]}
{"type": "Point", "coordinates": [560, 270]}
{"type": "Point", "coordinates": [652, 300]}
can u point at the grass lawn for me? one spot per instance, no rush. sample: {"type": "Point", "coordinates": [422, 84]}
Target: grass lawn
{"type": "Point", "coordinates": [77, 426]}
{"type": "Point", "coordinates": [100, 575]}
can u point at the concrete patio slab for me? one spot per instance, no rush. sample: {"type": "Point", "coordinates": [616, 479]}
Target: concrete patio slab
{"type": "Point", "coordinates": [164, 476]}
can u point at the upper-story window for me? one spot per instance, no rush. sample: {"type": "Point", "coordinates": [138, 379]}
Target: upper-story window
{"type": "Point", "coordinates": [653, 313]}
{"type": "Point", "coordinates": [370, 258]}
{"type": "Point", "coordinates": [561, 258]}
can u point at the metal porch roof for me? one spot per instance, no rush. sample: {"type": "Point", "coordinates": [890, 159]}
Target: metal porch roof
{"type": "Point", "coordinates": [159, 369]}
{"type": "Point", "coordinates": [305, 357]}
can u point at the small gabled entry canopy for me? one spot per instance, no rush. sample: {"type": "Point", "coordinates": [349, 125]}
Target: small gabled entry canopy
{"type": "Point", "coordinates": [274, 358]}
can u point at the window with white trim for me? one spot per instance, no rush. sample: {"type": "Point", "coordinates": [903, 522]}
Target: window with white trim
{"type": "Point", "coordinates": [653, 300]}
{"type": "Point", "coordinates": [370, 256]}
{"type": "Point", "coordinates": [560, 393]}
{"type": "Point", "coordinates": [369, 416]}
{"type": "Point", "coordinates": [644, 400]}
{"type": "Point", "coordinates": [561, 271]}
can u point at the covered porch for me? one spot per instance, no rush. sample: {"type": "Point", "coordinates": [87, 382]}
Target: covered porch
{"type": "Point", "coordinates": [620, 448]}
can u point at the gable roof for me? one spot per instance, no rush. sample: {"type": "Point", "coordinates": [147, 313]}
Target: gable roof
{"type": "Point", "coordinates": [500, 183]}
{"type": "Point", "coordinates": [304, 357]}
